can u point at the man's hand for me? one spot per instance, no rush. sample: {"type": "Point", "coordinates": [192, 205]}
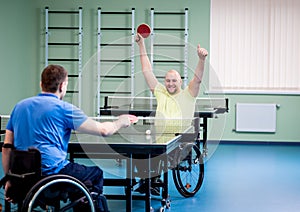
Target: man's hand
{"type": "Point", "coordinates": [139, 39]}
{"type": "Point", "coordinates": [202, 53]}
{"type": "Point", "coordinates": [125, 121]}
{"type": "Point", "coordinates": [7, 186]}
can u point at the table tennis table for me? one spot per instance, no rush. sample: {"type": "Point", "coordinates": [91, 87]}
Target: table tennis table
{"type": "Point", "coordinates": [133, 145]}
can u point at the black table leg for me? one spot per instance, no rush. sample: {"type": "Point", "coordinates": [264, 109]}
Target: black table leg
{"type": "Point", "coordinates": [165, 191]}
{"type": "Point", "coordinates": [129, 170]}
{"type": "Point", "coordinates": [205, 150]}
{"type": "Point", "coordinates": [148, 181]}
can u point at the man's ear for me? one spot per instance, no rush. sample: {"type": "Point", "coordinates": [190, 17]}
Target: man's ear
{"type": "Point", "coordinates": [60, 87]}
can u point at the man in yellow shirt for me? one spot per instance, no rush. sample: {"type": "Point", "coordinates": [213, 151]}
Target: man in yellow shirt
{"type": "Point", "coordinates": [172, 100]}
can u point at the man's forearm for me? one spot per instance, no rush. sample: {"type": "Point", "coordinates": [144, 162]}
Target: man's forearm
{"type": "Point", "coordinates": [5, 159]}
{"type": "Point", "coordinates": [147, 67]}
{"type": "Point", "coordinates": [145, 62]}
{"type": "Point", "coordinates": [198, 75]}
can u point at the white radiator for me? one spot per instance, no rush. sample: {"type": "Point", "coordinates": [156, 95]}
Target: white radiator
{"type": "Point", "coordinates": [255, 117]}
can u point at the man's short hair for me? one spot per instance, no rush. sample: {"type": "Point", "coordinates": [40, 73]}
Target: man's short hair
{"type": "Point", "coordinates": [52, 76]}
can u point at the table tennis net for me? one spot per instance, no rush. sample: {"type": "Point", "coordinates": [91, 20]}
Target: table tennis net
{"type": "Point", "coordinates": [125, 102]}
{"type": "Point", "coordinates": [157, 125]}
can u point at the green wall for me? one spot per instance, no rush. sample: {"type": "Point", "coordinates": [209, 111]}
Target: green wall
{"type": "Point", "coordinates": [22, 57]}
{"type": "Point", "coordinates": [19, 53]}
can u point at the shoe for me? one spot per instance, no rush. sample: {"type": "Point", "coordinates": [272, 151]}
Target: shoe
{"type": "Point", "coordinates": [100, 202]}
{"type": "Point", "coordinates": [155, 189]}
{"type": "Point", "coordinates": [142, 189]}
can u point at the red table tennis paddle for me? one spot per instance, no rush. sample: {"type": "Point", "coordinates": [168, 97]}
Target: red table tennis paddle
{"type": "Point", "coordinates": [144, 30]}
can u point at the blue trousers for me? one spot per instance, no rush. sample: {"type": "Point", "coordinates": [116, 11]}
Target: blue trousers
{"type": "Point", "coordinates": [92, 176]}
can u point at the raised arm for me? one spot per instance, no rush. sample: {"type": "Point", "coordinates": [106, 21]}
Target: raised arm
{"type": "Point", "coordinates": [93, 127]}
{"type": "Point", "coordinates": [194, 85]}
{"type": "Point", "coordinates": [146, 65]}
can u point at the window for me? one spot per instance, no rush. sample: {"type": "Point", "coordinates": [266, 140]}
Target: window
{"type": "Point", "coordinates": [255, 46]}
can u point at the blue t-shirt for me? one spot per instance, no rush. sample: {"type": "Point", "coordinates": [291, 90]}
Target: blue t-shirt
{"type": "Point", "coordinates": [45, 122]}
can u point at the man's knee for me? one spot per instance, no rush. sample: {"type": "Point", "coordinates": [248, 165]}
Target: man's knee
{"type": "Point", "coordinates": [98, 174]}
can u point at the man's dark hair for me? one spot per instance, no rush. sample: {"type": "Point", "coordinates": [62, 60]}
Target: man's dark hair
{"type": "Point", "coordinates": [52, 76]}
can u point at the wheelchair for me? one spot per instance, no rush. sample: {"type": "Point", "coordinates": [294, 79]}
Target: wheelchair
{"type": "Point", "coordinates": [33, 192]}
{"type": "Point", "coordinates": [187, 165]}
{"type": "Point", "coordinates": [188, 168]}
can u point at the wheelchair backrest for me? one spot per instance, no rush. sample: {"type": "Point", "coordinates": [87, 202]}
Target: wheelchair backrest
{"type": "Point", "coordinates": [23, 162]}
{"type": "Point", "coordinates": [24, 172]}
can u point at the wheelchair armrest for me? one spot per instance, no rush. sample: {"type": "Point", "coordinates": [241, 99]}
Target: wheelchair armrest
{"type": "Point", "coordinates": [21, 176]}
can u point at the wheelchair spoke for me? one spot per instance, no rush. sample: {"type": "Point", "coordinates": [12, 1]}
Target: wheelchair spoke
{"type": "Point", "coordinates": [58, 193]}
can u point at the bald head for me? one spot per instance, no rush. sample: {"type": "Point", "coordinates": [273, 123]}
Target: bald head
{"type": "Point", "coordinates": [173, 73]}
{"type": "Point", "coordinates": [173, 82]}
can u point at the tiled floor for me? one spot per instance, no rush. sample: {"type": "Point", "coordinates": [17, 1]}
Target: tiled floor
{"type": "Point", "coordinates": [241, 178]}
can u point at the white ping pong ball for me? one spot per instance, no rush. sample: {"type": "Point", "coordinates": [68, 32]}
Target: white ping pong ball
{"type": "Point", "coordinates": [148, 132]}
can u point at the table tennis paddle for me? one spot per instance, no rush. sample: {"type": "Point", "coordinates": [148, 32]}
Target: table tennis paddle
{"type": "Point", "coordinates": [144, 30]}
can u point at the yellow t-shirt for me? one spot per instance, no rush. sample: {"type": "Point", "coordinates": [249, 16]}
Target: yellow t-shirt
{"type": "Point", "coordinates": [179, 107]}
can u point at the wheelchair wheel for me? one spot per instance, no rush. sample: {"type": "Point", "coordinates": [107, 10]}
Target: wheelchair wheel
{"type": "Point", "coordinates": [188, 174]}
{"type": "Point", "coordinates": [58, 193]}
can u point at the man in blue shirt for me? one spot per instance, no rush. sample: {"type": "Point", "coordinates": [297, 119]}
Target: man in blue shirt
{"type": "Point", "coordinates": [46, 122]}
